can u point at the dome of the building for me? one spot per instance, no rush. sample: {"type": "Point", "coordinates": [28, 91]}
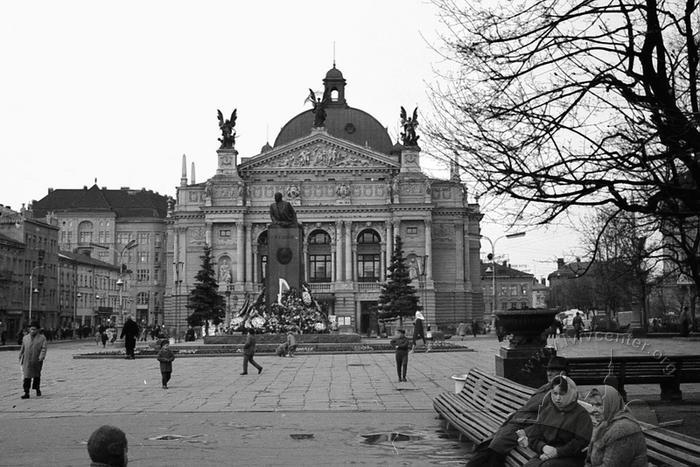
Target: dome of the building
{"type": "Point", "coordinates": [334, 73]}
{"type": "Point", "coordinates": [342, 121]}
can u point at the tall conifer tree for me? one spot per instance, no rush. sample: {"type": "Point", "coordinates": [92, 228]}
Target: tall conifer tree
{"type": "Point", "coordinates": [398, 297]}
{"type": "Point", "coordinates": [204, 300]}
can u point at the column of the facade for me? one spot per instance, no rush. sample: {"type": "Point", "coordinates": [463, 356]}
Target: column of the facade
{"type": "Point", "coordinates": [240, 250]}
{"type": "Point", "coordinates": [467, 258]}
{"type": "Point", "coordinates": [459, 254]}
{"type": "Point", "coordinates": [333, 262]}
{"type": "Point", "coordinates": [397, 228]}
{"type": "Point", "coordinates": [389, 244]}
{"type": "Point", "coordinates": [305, 260]}
{"type": "Point", "coordinates": [338, 251]}
{"type": "Point", "coordinates": [249, 254]}
{"type": "Point", "coordinates": [348, 251]}
{"type": "Point", "coordinates": [382, 263]}
{"type": "Point", "coordinates": [208, 229]}
{"type": "Point", "coordinates": [429, 249]}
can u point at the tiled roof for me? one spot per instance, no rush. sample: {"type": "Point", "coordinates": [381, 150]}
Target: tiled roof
{"type": "Point", "coordinates": [85, 259]}
{"type": "Point", "coordinates": [9, 240]}
{"type": "Point", "coordinates": [502, 271]}
{"type": "Point", "coordinates": [123, 202]}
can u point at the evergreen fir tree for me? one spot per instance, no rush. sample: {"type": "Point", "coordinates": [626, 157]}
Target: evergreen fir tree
{"type": "Point", "coordinates": [398, 297]}
{"type": "Point", "coordinates": [204, 300]}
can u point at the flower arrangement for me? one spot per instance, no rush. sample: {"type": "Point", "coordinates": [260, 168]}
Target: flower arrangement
{"type": "Point", "coordinates": [298, 312]}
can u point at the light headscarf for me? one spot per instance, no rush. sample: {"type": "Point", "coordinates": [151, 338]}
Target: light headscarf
{"type": "Point", "coordinates": [613, 408]}
{"type": "Point", "coordinates": [419, 315]}
{"type": "Point", "coordinates": [570, 396]}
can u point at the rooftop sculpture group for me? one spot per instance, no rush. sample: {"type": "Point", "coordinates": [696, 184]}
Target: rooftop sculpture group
{"type": "Point", "coordinates": [409, 137]}
{"type": "Point", "coordinates": [228, 135]}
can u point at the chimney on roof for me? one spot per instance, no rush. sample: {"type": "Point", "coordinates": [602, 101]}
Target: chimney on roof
{"type": "Point", "coordinates": [192, 175]}
{"type": "Point", "coordinates": [505, 264]}
{"type": "Point", "coordinates": [84, 187]}
{"type": "Point", "coordinates": [183, 177]}
{"type": "Point", "coordinates": [50, 190]}
{"type": "Point", "coordinates": [560, 263]}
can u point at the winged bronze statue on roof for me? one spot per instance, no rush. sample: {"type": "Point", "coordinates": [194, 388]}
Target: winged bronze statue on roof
{"type": "Point", "coordinates": [319, 107]}
{"type": "Point", "coordinates": [409, 137]}
{"type": "Point", "coordinates": [228, 135]}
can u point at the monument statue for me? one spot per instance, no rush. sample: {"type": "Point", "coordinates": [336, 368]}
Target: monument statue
{"type": "Point", "coordinates": [319, 107]}
{"type": "Point", "coordinates": [282, 212]}
{"type": "Point", "coordinates": [228, 136]}
{"type": "Point", "coordinates": [408, 137]}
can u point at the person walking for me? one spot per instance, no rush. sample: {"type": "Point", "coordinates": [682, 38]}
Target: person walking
{"type": "Point", "coordinates": [31, 357]}
{"type": "Point", "coordinates": [402, 345]}
{"type": "Point", "coordinates": [418, 328]}
{"type": "Point", "coordinates": [249, 353]}
{"type": "Point", "coordinates": [291, 344]}
{"type": "Point", "coordinates": [130, 332]}
{"type": "Point", "coordinates": [165, 357]}
{"type": "Point", "coordinates": [578, 325]}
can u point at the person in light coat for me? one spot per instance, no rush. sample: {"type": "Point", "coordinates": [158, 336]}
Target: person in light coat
{"type": "Point", "coordinates": [31, 357]}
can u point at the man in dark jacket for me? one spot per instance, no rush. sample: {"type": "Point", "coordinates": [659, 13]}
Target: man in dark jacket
{"type": "Point", "coordinates": [249, 353]}
{"type": "Point", "coordinates": [130, 332]}
{"type": "Point", "coordinates": [402, 345]}
{"type": "Point", "coordinates": [493, 451]}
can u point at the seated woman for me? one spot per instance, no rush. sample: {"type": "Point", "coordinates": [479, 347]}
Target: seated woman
{"type": "Point", "coordinates": [617, 439]}
{"type": "Point", "coordinates": [562, 430]}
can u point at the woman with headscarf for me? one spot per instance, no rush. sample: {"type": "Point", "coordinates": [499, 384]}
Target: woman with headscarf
{"type": "Point", "coordinates": [617, 439]}
{"type": "Point", "coordinates": [562, 430]}
{"type": "Point", "coordinates": [418, 328]}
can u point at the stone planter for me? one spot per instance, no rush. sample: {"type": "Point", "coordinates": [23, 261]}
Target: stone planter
{"type": "Point", "coordinates": [525, 357]}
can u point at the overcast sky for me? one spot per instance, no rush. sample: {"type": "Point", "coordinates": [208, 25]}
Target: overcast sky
{"type": "Point", "coordinates": [119, 91]}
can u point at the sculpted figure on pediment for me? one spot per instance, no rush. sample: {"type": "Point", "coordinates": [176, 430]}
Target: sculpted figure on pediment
{"type": "Point", "coordinates": [319, 155]}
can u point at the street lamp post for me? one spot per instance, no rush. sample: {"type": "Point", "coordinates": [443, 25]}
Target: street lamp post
{"type": "Point", "coordinates": [178, 284]}
{"type": "Point", "coordinates": [493, 268]}
{"type": "Point", "coordinates": [31, 288]}
{"type": "Point", "coordinates": [120, 282]}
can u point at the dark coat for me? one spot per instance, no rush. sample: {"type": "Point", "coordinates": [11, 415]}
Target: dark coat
{"type": "Point", "coordinates": [622, 444]}
{"type": "Point", "coordinates": [401, 343]}
{"type": "Point", "coordinates": [249, 346]}
{"type": "Point", "coordinates": [506, 438]}
{"type": "Point", "coordinates": [32, 354]}
{"type": "Point", "coordinates": [130, 329]}
{"type": "Point", "coordinates": [569, 429]}
{"type": "Point", "coordinates": [166, 357]}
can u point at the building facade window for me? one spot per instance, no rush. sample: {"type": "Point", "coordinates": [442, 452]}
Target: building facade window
{"type": "Point", "coordinates": [319, 268]}
{"type": "Point", "coordinates": [143, 275]}
{"type": "Point", "coordinates": [85, 232]}
{"type": "Point", "coordinates": [143, 238]}
{"type": "Point", "coordinates": [367, 268]}
{"type": "Point", "coordinates": [225, 233]}
{"type": "Point", "coordinates": [142, 298]}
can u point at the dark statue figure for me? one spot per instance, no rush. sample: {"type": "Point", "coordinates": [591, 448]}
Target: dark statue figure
{"type": "Point", "coordinates": [408, 137]}
{"type": "Point", "coordinates": [228, 135]}
{"type": "Point", "coordinates": [282, 212]}
{"type": "Point", "coordinates": [319, 107]}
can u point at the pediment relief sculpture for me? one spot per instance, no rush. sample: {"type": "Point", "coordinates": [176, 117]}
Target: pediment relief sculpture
{"type": "Point", "coordinates": [320, 155]}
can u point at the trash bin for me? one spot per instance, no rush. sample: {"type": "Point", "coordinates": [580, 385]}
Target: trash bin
{"type": "Point", "coordinates": [459, 382]}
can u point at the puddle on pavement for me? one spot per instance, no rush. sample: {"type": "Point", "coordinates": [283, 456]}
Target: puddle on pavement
{"type": "Point", "coordinates": [382, 437]}
{"type": "Point", "coordinates": [301, 436]}
{"type": "Point", "coordinates": [357, 364]}
{"type": "Point", "coordinates": [174, 437]}
{"type": "Point", "coordinates": [429, 447]}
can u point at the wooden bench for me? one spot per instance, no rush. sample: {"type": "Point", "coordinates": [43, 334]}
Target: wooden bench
{"type": "Point", "coordinates": [486, 402]}
{"type": "Point", "coordinates": [669, 372]}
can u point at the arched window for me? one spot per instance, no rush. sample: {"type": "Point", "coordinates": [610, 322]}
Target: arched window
{"type": "Point", "coordinates": [319, 262]}
{"type": "Point", "coordinates": [262, 256]}
{"type": "Point", "coordinates": [368, 254]}
{"type": "Point", "coordinates": [85, 232]}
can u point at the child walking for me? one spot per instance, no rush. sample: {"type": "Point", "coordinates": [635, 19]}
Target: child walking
{"type": "Point", "coordinates": [166, 357]}
{"type": "Point", "coordinates": [401, 344]}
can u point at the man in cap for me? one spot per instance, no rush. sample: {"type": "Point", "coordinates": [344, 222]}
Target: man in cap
{"type": "Point", "coordinates": [31, 357]}
{"type": "Point", "coordinates": [402, 345]}
{"type": "Point", "coordinates": [493, 451]}
{"type": "Point", "coordinates": [107, 446]}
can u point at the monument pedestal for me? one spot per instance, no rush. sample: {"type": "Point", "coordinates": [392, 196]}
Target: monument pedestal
{"type": "Point", "coordinates": [524, 365]}
{"type": "Point", "coordinates": [525, 359]}
{"type": "Point", "coordinates": [284, 260]}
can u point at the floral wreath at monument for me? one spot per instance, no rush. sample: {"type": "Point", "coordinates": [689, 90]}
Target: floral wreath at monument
{"type": "Point", "coordinates": [297, 312]}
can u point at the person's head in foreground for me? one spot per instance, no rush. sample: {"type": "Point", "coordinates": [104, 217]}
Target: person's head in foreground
{"type": "Point", "coordinates": [563, 392]}
{"type": "Point", "coordinates": [107, 446]}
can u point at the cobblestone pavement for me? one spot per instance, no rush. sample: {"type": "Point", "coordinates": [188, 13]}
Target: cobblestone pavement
{"type": "Point", "coordinates": [248, 420]}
